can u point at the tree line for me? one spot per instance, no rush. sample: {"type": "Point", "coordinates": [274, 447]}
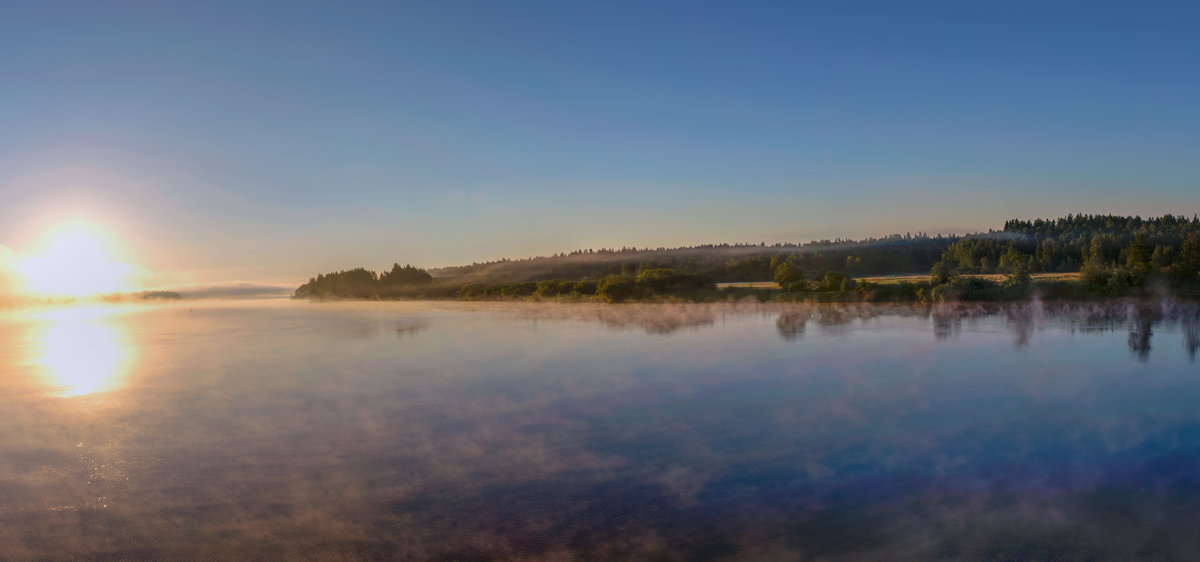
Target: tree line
{"type": "Point", "coordinates": [361, 283]}
{"type": "Point", "coordinates": [1114, 255]}
{"type": "Point", "coordinates": [720, 262]}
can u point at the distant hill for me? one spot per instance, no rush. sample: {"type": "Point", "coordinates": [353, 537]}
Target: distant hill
{"type": "Point", "coordinates": [721, 262]}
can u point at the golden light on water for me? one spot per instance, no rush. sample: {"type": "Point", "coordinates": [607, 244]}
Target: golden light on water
{"type": "Point", "coordinates": [75, 261]}
{"type": "Point", "coordinates": [81, 350]}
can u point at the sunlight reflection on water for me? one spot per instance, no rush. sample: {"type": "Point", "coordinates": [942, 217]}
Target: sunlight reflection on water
{"type": "Point", "coordinates": [81, 351]}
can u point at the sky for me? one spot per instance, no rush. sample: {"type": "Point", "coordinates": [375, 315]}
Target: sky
{"type": "Point", "coordinates": [221, 141]}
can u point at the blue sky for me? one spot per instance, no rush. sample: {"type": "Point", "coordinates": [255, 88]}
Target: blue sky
{"type": "Point", "coordinates": [269, 141]}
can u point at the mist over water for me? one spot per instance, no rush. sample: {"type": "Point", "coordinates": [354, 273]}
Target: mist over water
{"type": "Point", "coordinates": [460, 431]}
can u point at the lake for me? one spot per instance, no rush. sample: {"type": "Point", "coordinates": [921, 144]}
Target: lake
{"type": "Point", "coordinates": [455, 431]}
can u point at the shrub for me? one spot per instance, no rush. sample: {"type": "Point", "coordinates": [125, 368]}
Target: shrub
{"type": "Point", "coordinates": [616, 288]}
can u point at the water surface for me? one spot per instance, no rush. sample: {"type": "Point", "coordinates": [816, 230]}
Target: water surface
{"type": "Point", "coordinates": [270, 430]}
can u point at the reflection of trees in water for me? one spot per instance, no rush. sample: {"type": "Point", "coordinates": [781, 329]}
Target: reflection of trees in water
{"type": "Point", "coordinates": [661, 319]}
{"type": "Point", "coordinates": [1139, 318]}
{"type": "Point", "coordinates": [1140, 332]}
{"type": "Point", "coordinates": [364, 328]}
{"type": "Point", "coordinates": [792, 321]}
{"type": "Point", "coordinates": [947, 319]}
{"type": "Point", "coordinates": [1021, 323]}
{"type": "Point", "coordinates": [409, 329]}
{"type": "Point", "coordinates": [836, 320]}
{"type": "Point", "coordinates": [1141, 328]}
{"type": "Point", "coordinates": [946, 326]}
{"type": "Point", "coordinates": [1191, 335]}
{"type": "Point", "coordinates": [674, 324]}
{"type": "Point", "coordinates": [791, 325]}
{"type": "Point", "coordinates": [1090, 318]}
{"type": "Point", "coordinates": [664, 322]}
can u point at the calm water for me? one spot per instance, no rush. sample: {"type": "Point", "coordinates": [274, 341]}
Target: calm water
{"type": "Point", "coordinates": [290, 430]}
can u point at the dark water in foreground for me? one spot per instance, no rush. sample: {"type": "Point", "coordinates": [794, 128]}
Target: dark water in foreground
{"type": "Point", "coordinates": [454, 432]}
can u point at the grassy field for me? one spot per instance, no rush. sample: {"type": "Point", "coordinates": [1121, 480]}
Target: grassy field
{"type": "Point", "coordinates": [889, 279]}
{"type": "Point", "coordinates": [750, 285]}
{"type": "Point", "coordinates": [993, 276]}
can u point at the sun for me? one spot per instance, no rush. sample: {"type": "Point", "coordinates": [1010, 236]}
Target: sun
{"type": "Point", "coordinates": [75, 261]}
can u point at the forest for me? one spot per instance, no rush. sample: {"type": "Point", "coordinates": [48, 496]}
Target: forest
{"type": "Point", "coordinates": [722, 263]}
{"type": "Point", "coordinates": [1113, 256]}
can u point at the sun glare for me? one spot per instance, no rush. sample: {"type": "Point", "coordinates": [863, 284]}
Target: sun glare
{"type": "Point", "coordinates": [82, 351]}
{"type": "Point", "coordinates": [75, 262]}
